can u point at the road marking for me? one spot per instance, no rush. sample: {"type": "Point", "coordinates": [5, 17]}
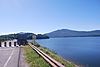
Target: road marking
{"type": "Point", "coordinates": [9, 58]}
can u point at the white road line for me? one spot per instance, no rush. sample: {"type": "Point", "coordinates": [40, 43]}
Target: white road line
{"type": "Point", "coordinates": [9, 58]}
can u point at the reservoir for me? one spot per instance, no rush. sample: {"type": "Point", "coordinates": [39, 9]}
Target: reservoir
{"type": "Point", "coordinates": [80, 50]}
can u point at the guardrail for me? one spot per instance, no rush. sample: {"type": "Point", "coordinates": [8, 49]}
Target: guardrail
{"type": "Point", "coordinates": [50, 60]}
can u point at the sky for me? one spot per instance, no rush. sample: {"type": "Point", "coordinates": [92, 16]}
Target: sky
{"type": "Point", "coordinates": [43, 16]}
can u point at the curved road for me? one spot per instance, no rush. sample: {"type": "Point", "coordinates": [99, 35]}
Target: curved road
{"type": "Point", "coordinates": [9, 57]}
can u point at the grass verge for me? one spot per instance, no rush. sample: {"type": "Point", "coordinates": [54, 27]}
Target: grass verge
{"type": "Point", "coordinates": [56, 57]}
{"type": "Point", "coordinates": [33, 58]}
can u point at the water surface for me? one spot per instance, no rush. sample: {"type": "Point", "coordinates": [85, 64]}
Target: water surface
{"type": "Point", "coordinates": [80, 50]}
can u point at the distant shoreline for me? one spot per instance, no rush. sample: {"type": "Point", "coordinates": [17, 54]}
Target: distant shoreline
{"type": "Point", "coordinates": [73, 36]}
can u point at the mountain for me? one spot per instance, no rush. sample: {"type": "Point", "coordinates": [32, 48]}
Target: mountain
{"type": "Point", "coordinates": [73, 33]}
{"type": "Point", "coordinates": [22, 35]}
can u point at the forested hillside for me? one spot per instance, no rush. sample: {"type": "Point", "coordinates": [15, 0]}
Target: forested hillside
{"type": "Point", "coordinates": [22, 35]}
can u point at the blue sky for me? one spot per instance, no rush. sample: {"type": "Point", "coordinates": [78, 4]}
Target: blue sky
{"type": "Point", "coordinates": [42, 16]}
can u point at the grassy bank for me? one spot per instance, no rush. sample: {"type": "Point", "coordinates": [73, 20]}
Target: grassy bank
{"type": "Point", "coordinates": [33, 59]}
{"type": "Point", "coordinates": [55, 56]}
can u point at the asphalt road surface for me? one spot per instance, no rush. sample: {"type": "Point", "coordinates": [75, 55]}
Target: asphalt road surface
{"type": "Point", "coordinates": [9, 57]}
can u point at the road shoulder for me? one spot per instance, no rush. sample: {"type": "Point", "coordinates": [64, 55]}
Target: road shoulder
{"type": "Point", "coordinates": [22, 62]}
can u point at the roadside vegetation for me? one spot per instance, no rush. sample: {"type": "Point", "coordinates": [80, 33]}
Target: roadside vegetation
{"type": "Point", "coordinates": [56, 57]}
{"type": "Point", "coordinates": [33, 59]}
{"type": "Point", "coordinates": [36, 60]}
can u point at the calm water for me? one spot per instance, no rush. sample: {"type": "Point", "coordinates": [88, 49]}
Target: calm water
{"type": "Point", "coordinates": [80, 50]}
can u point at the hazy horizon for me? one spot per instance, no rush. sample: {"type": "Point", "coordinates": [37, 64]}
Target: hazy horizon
{"type": "Point", "coordinates": [43, 16]}
{"type": "Point", "coordinates": [40, 33]}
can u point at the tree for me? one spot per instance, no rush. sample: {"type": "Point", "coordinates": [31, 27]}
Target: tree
{"type": "Point", "coordinates": [22, 42]}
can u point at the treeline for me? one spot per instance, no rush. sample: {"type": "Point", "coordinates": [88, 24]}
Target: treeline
{"type": "Point", "coordinates": [40, 36]}
{"type": "Point", "coordinates": [22, 35]}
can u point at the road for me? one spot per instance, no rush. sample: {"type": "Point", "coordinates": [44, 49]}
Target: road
{"type": "Point", "coordinates": [9, 57]}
